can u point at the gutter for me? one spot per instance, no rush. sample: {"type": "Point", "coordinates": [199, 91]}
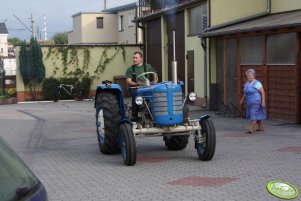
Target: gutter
{"type": "Point", "coordinates": [204, 46]}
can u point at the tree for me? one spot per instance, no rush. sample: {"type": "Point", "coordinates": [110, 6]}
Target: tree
{"type": "Point", "coordinates": [32, 67]}
{"type": "Point", "coordinates": [60, 38]}
{"type": "Point", "coordinates": [15, 41]}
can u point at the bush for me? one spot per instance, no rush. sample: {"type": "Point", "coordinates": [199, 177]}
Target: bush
{"type": "Point", "coordinates": [84, 86]}
{"type": "Point", "coordinates": [11, 92]}
{"type": "Point", "coordinates": [81, 88]}
{"type": "Point", "coordinates": [49, 88]}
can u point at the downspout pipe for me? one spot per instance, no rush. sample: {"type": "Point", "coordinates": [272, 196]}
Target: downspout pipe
{"type": "Point", "coordinates": [262, 14]}
{"type": "Point", "coordinates": [204, 46]}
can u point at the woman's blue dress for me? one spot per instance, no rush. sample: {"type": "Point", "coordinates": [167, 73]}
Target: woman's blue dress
{"type": "Point", "coordinates": [254, 110]}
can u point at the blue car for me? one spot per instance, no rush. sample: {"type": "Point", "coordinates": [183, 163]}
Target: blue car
{"type": "Point", "coordinates": [17, 182]}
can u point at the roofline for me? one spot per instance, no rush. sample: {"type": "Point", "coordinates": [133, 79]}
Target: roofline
{"type": "Point", "coordinates": [222, 33]}
{"type": "Point", "coordinates": [4, 28]}
{"type": "Point", "coordinates": [208, 33]}
{"type": "Point", "coordinates": [95, 13]}
{"type": "Point", "coordinates": [121, 8]}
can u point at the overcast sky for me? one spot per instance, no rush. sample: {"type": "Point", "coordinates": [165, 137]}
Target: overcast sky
{"type": "Point", "coordinates": [58, 14]}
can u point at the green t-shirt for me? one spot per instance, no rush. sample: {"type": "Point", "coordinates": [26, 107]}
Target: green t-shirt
{"type": "Point", "coordinates": [138, 71]}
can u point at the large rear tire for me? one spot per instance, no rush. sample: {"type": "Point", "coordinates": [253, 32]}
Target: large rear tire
{"type": "Point", "coordinates": [177, 142]}
{"type": "Point", "coordinates": [206, 148]}
{"type": "Point", "coordinates": [107, 120]}
{"type": "Point", "coordinates": [128, 145]}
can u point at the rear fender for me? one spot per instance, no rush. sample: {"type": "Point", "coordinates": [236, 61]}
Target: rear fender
{"type": "Point", "coordinates": [115, 89]}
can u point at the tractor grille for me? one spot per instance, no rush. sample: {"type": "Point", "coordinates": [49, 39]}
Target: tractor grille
{"type": "Point", "coordinates": [177, 102]}
{"type": "Point", "coordinates": [160, 103]}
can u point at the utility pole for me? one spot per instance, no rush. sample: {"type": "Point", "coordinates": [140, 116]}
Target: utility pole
{"type": "Point", "coordinates": [32, 26]}
{"type": "Point", "coordinates": [105, 5]}
{"type": "Point", "coordinates": [45, 28]}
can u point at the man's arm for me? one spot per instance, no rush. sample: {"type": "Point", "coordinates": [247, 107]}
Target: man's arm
{"type": "Point", "coordinates": [130, 83]}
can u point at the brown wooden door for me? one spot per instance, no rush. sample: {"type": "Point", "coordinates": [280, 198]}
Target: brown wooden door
{"type": "Point", "coordinates": [175, 22]}
{"type": "Point", "coordinates": [190, 65]}
{"type": "Point", "coordinates": [154, 44]}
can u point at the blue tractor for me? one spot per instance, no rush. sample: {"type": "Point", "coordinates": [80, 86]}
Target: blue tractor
{"type": "Point", "coordinates": [163, 111]}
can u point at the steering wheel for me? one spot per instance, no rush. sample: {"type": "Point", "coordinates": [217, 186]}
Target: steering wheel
{"type": "Point", "coordinates": [147, 82]}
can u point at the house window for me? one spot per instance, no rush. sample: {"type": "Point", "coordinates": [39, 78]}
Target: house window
{"type": "Point", "coordinates": [121, 23]}
{"type": "Point", "coordinates": [1, 50]}
{"type": "Point", "coordinates": [131, 18]}
{"type": "Point", "coordinates": [99, 22]}
{"type": "Point", "coordinates": [251, 50]}
{"type": "Point", "coordinates": [198, 21]}
{"type": "Point", "coordinates": [281, 48]}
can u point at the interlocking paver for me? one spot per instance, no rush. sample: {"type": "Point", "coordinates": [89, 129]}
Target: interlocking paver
{"type": "Point", "coordinates": [58, 141]}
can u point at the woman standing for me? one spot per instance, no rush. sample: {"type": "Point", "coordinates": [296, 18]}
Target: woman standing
{"type": "Point", "coordinates": [255, 102]}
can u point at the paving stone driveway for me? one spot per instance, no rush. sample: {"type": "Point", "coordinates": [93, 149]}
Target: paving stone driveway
{"type": "Point", "coordinates": [58, 141]}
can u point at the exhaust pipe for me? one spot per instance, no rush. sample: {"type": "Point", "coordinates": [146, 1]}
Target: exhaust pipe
{"type": "Point", "coordinates": [174, 62]}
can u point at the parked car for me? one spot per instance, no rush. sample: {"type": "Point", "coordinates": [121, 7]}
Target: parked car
{"type": "Point", "coordinates": [17, 181]}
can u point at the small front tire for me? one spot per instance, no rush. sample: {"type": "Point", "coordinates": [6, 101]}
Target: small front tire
{"type": "Point", "coordinates": [127, 144]}
{"type": "Point", "coordinates": [206, 148]}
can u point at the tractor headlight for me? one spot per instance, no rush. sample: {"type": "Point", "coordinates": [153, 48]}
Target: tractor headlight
{"type": "Point", "coordinates": [139, 100]}
{"type": "Point", "coordinates": [192, 96]}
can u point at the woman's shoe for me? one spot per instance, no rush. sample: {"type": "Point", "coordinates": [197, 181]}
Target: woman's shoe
{"type": "Point", "coordinates": [260, 129]}
{"type": "Point", "coordinates": [249, 131]}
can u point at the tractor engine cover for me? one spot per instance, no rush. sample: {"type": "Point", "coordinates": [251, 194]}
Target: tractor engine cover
{"type": "Point", "coordinates": [166, 102]}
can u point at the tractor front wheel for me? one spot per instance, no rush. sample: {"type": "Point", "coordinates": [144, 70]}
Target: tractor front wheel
{"type": "Point", "coordinates": [127, 144]}
{"type": "Point", "coordinates": [206, 146]}
{"type": "Point", "coordinates": [177, 142]}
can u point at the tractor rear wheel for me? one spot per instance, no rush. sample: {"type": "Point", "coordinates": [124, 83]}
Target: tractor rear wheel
{"type": "Point", "coordinates": [206, 148]}
{"type": "Point", "coordinates": [107, 120]}
{"type": "Point", "coordinates": [128, 145]}
{"type": "Point", "coordinates": [177, 142]}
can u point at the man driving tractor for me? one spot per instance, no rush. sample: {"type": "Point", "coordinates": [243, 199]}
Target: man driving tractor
{"type": "Point", "coordinates": [133, 83]}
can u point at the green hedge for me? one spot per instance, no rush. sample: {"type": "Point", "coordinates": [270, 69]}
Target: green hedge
{"type": "Point", "coordinates": [81, 87]}
{"type": "Point", "coordinates": [49, 88]}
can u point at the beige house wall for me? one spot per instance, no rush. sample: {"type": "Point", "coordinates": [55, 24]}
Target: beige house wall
{"type": "Point", "coordinates": [85, 29]}
{"type": "Point", "coordinates": [3, 45]}
{"type": "Point", "coordinates": [194, 43]}
{"type": "Point", "coordinates": [128, 34]}
{"type": "Point", "coordinates": [223, 11]}
{"type": "Point", "coordinates": [287, 5]}
{"type": "Point", "coordinates": [93, 35]}
{"type": "Point", "coordinates": [75, 35]}
{"type": "Point", "coordinates": [54, 64]}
